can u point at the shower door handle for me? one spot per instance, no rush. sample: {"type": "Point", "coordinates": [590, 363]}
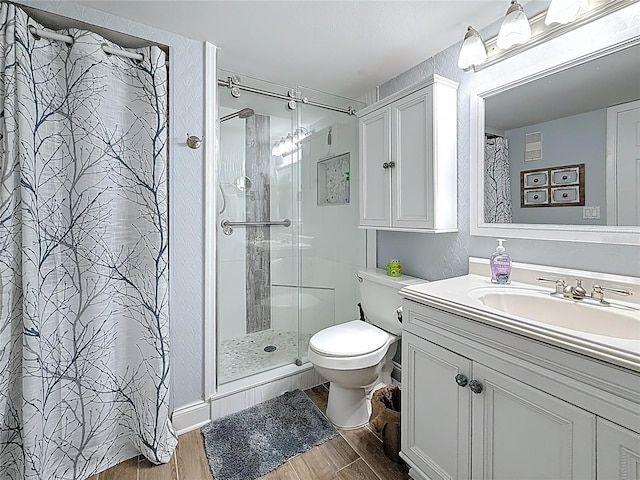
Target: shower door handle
{"type": "Point", "coordinates": [227, 226]}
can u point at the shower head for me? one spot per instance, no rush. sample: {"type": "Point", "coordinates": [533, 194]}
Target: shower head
{"type": "Point", "coordinates": [244, 113]}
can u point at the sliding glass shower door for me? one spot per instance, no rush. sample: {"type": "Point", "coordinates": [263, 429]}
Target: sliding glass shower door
{"type": "Point", "coordinates": [288, 243]}
{"type": "Point", "coordinates": [257, 238]}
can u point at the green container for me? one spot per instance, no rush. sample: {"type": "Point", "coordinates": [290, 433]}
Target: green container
{"type": "Point", "coordinates": [394, 269]}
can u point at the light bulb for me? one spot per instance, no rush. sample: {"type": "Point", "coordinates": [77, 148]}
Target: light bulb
{"type": "Point", "coordinates": [473, 51]}
{"type": "Point", "coordinates": [288, 144]}
{"type": "Point", "coordinates": [565, 11]}
{"type": "Point", "coordinates": [515, 28]}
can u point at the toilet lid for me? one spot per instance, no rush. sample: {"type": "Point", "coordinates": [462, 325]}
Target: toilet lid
{"type": "Point", "coordinates": [348, 339]}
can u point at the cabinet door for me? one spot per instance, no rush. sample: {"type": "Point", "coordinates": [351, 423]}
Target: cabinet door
{"type": "Point", "coordinates": [522, 433]}
{"type": "Point", "coordinates": [411, 149]}
{"type": "Point", "coordinates": [375, 183]}
{"type": "Point", "coordinates": [618, 452]}
{"type": "Point", "coordinates": [436, 434]}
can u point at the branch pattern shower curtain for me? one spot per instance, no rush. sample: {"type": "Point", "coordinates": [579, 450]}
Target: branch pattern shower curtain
{"type": "Point", "coordinates": [84, 360]}
{"type": "Point", "coordinates": [497, 181]}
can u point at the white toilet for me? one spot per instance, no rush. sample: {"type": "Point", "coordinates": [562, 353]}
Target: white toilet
{"type": "Point", "coordinates": [356, 356]}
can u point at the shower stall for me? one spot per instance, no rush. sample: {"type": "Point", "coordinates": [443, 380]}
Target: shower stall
{"type": "Point", "coordinates": [287, 214]}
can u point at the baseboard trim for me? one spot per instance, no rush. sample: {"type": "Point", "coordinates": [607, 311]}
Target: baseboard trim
{"type": "Point", "coordinates": [191, 417]}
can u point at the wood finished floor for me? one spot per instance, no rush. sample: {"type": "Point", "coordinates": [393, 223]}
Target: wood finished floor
{"type": "Point", "coordinates": [354, 454]}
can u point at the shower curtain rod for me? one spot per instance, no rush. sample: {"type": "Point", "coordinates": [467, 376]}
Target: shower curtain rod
{"type": "Point", "coordinates": [230, 84]}
{"type": "Point", "coordinates": [68, 39]}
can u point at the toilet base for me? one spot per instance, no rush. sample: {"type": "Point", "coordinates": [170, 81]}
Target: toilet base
{"type": "Point", "coordinates": [347, 407]}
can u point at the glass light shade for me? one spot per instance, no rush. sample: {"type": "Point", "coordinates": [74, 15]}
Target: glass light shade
{"type": "Point", "coordinates": [565, 11]}
{"type": "Point", "coordinates": [277, 148]}
{"type": "Point", "coordinates": [515, 28]}
{"type": "Point", "coordinates": [473, 51]}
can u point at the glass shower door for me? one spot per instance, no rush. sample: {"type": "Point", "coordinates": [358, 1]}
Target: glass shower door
{"type": "Point", "coordinates": [332, 247]}
{"type": "Point", "coordinates": [257, 274]}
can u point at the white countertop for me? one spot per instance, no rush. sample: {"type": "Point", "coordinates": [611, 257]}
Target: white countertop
{"type": "Point", "coordinates": [452, 295]}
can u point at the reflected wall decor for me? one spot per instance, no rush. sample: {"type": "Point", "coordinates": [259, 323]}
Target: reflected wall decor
{"type": "Point", "coordinates": [553, 187]}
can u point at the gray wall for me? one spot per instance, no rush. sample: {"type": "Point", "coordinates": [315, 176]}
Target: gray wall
{"type": "Point", "coordinates": [186, 191]}
{"type": "Point", "coordinates": [437, 256]}
{"type": "Point", "coordinates": [565, 141]}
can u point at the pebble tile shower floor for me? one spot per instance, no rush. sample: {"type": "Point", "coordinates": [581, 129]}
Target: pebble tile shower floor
{"type": "Point", "coordinates": [244, 356]}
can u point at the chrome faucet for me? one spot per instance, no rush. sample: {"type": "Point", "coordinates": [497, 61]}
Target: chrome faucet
{"type": "Point", "coordinates": [575, 292]}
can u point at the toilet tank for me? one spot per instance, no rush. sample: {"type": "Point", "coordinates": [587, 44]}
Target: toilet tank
{"type": "Point", "coordinates": [380, 299]}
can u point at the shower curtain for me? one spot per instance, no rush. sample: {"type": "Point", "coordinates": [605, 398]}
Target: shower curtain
{"type": "Point", "coordinates": [497, 183]}
{"type": "Point", "coordinates": [84, 359]}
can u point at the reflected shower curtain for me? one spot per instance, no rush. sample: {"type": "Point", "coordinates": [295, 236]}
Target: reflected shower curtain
{"type": "Point", "coordinates": [497, 183]}
{"type": "Point", "coordinates": [84, 360]}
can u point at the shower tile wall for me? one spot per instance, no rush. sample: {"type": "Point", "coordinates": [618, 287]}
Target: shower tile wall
{"type": "Point", "coordinates": [257, 208]}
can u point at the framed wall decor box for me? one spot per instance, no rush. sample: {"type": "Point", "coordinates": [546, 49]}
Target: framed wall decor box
{"type": "Point", "coordinates": [553, 187]}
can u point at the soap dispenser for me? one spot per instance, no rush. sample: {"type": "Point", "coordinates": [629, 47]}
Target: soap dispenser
{"type": "Point", "coordinates": [500, 265]}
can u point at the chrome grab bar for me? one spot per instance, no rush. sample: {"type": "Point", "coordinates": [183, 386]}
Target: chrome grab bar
{"type": "Point", "coordinates": [227, 226]}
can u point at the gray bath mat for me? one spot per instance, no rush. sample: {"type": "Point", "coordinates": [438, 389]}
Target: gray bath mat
{"type": "Point", "coordinates": [251, 443]}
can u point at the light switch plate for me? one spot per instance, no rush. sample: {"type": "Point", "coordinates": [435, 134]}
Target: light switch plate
{"type": "Point", "coordinates": [591, 213]}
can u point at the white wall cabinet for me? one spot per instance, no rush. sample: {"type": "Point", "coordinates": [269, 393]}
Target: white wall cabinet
{"type": "Point", "coordinates": [408, 159]}
{"type": "Point", "coordinates": [473, 411]}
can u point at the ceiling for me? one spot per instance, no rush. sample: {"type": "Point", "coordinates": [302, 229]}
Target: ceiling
{"type": "Point", "coordinates": [341, 47]}
{"type": "Point", "coordinates": [600, 83]}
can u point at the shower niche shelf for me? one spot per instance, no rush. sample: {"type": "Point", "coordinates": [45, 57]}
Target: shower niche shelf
{"type": "Point", "coordinates": [334, 186]}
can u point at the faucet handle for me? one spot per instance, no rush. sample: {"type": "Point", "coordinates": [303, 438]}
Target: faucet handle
{"type": "Point", "coordinates": [619, 291]}
{"type": "Point", "coordinates": [560, 283]}
{"type": "Point", "coordinates": [598, 293]}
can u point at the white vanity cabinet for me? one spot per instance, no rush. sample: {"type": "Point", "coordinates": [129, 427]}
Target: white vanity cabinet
{"type": "Point", "coordinates": [480, 403]}
{"type": "Point", "coordinates": [618, 452]}
{"type": "Point", "coordinates": [408, 159]}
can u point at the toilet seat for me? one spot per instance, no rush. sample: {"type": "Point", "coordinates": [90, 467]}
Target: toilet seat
{"type": "Point", "coordinates": [349, 346]}
{"type": "Point", "coordinates": [348, 339]}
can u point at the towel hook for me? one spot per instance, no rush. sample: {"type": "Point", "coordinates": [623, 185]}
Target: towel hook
{"type": "Point", "coordinates": [194, 142]}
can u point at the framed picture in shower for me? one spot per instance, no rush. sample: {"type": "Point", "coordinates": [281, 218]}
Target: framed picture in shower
{"type": "Point", "coordinates": [334, 183]}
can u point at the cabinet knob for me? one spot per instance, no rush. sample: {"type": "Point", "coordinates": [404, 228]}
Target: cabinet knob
{"type": "Point", "coordinates": [475, 386]}
{"type": "Point", "coordinates": [385, 165]}
{"type": "Point", "coordinates": [392, 164]}
{"type": "Point", "coordinates": [462, 380]}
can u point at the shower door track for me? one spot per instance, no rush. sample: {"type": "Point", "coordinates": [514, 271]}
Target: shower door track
{"type": "Point", "coordinates": [290, 97]}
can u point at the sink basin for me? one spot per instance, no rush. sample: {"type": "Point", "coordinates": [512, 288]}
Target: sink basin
{"type": "Point", "coordinates": [609, 321]}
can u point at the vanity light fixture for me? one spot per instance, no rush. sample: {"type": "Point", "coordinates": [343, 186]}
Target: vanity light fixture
{"type": "Point", "coordinates": [561, 17]}
{"type": "Point", "coordinates": [473, 51]}
{"type": "Point", "coordinates": [515, 28]}
{"type": "Point", "coordinates": [565, 11]}
{"type": "Point", "coordinates": [289, 144]}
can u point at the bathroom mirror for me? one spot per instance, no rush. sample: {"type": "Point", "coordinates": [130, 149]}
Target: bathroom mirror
{"type": "Point", "coordinates": [582, 112]}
